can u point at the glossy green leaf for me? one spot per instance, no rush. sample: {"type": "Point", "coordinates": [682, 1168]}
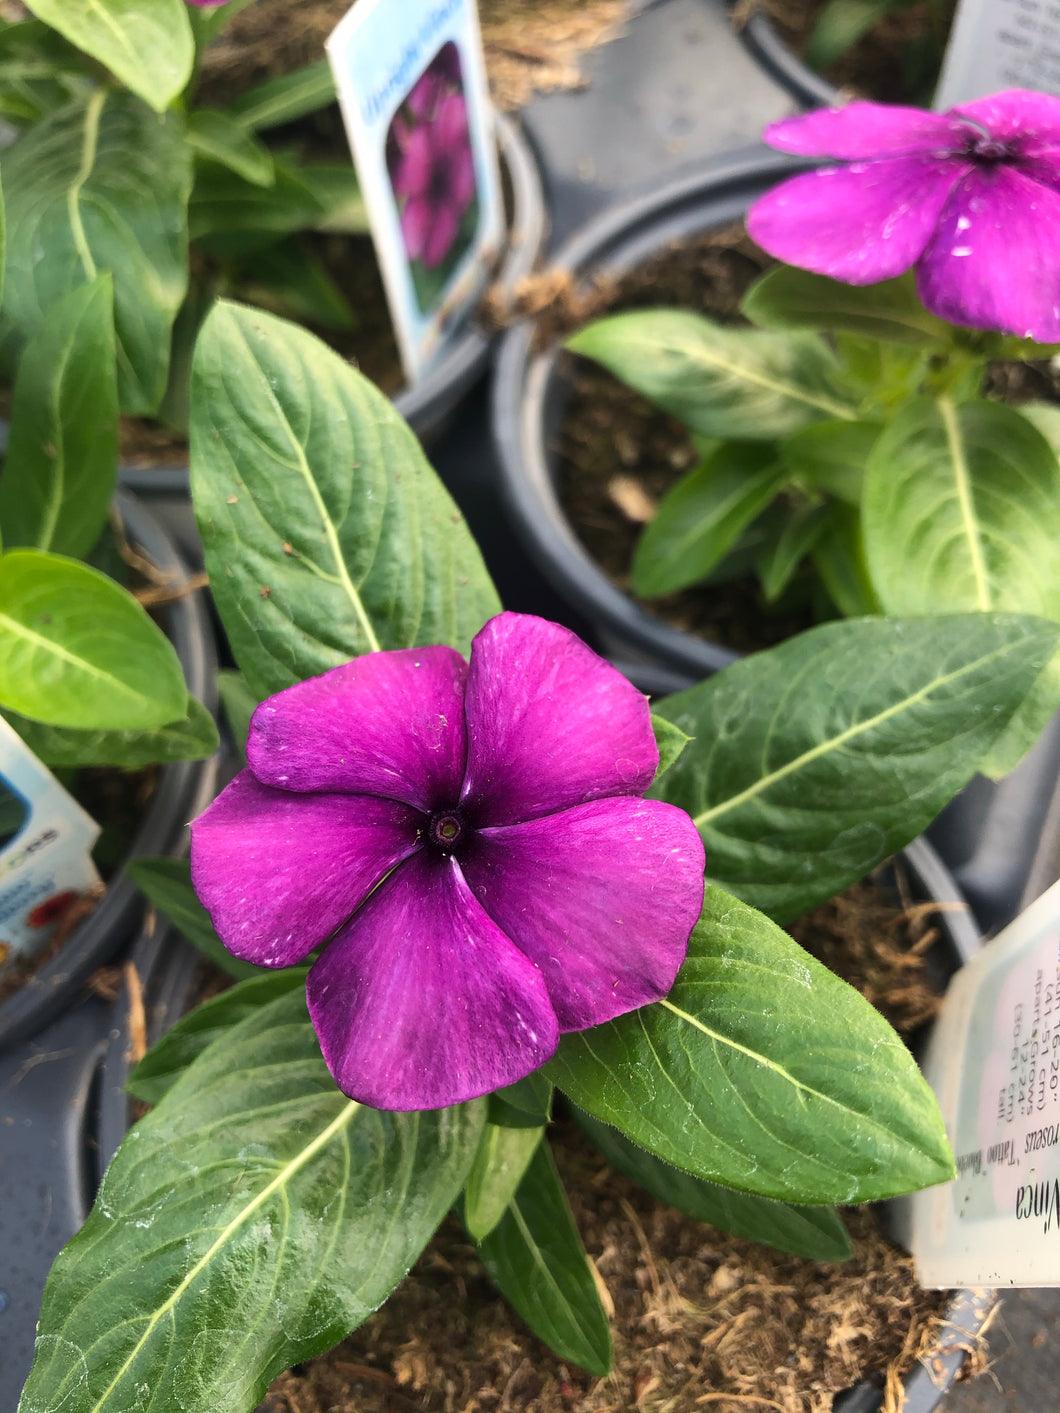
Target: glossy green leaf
{"type": "Point", "coordinates": [251, 1220]}
{"type": "Point", "coordinates": [226, 141]}
{"type": "Point", "coordinates": [101, 186]}
{"type": "Point", "coordinates": [77, 650]}
{"type": "Point", "coordinates": [815, 760]}
{"type": "Point", "coordinates": [290, 279]}
{"type": "Point", "coordinates": [961, 510]}
{"type": "Point", "coordinates": [503, 1156]}
{"type": "Point", "coordinates": [671, 741]}
{"type": "Point", "coordinates": [326, 532]}
{"type": "Point", "coordinates": [814, 1232]}
{"type": "Point", "coordinates": [62, 457]}
{"type": "Point", "coordinates": [840, 24]}
{"type": "Point", "coordinates": [239, 704]}
{"type": "Point", "coordinates": [703, 516]}
{"type": "Point", "coordinates": [831, 456]}
{"type": "Point", "coordinates": [338, 190]}
{"type": "Point", "coordinates": [1046, 417]}
{"type": "Point", "coordinates": [525, 1104]}
{"type": "Point", "coordinates": [192, 738]}
{"type": "Point", "coordinates": [232, 217]}
{"type": "Point", "coordinates": [166, 884]}
{"type": "Point", "coordinates": [779, 562]}
{"type": "Point", "coordinates": [839, 558]}
{"type": "Point", "coordinates": [1028, 723]}
{"type": "Point", "coordinates": [786, 298]}
{"type": "Point", "coordinates": [286, 97]}
{"type": "Point", "coordinates": [723, 382]}
{"type": "Point", "coordinates": [537, 1259]}
{"type": "Point", "coordinates": [147, 44]}
{"type": "Point", "coordinates": [763, 1072]}
{"type": "Point", "coordinates": [168, 1058]}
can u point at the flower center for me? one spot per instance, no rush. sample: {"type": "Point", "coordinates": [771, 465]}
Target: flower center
{"type": "Point", "coordinates": [988, 151]}
{"type": "Point", "coordinates": [445, 830]}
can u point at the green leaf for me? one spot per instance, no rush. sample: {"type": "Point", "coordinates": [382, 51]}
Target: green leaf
{"type": "Point", "coordinates": [166, 884]}
{"type": "Point", "coordinates": [786, 298]}
{"type": "Point", "coordinates": [239, 704]}
{"type": "Point", "coordinates": [77, 650]}
{"type": "Point", "coordinates": [840, 24]}
{"type": "Point", "coordinates": [779, 561]}
{"type": "Point", "coordinates": [525, 1104]}
{"type": "Point", "coordinates": [703, 516]}
{"type": "Point", "coordinates": [831, 456]}
{"type": "Point", "coordinates": [814, 1232]}
{"type": "Point", "coordinates": [62, 458]}
{"type": "Point", "coordinates": [814, 761]}
{"type": "Point", "coordinates": [285, 98]}
{"type": "Point", "coordinates": [839, 558]}
{"type": "Point", "coordinates": [1046, 417]}
{"type": "Point", "coordinates": [147, 44]}
{"type": "Point", "coordinates": [536, 1258]}
{"type": "Point", "coordinates": [503, 1156]}
{"type": "Point", "coordinates": [762, 1071]}
{"type": "Point", "coordinates": [326, 532]}
{"type": "Point", "coordinates": [1026, 725]}
{"type": "Point", "coordinates": [231, 217]}
{"type": "Point", "coordinates": [226, 141]}
{"type": "Point", "coordinates": [250, 1221]}
{"type": "Point", "coordinates": [193, 738]}
{"type": "Point", "coordinates": [166, 1061]}
{"type": "Point", "coordinates": [734, 383]}
{"type": "Point", "coordinates": [101, 186]}
{"type": "Point", "coordinates": [961, 511]}
{"type": "Point", "coordinates": [291, 279]}
{"type": "Point", "coordinates": [671, 741]}
{"type": "Point", "coordinates": [338, 190]}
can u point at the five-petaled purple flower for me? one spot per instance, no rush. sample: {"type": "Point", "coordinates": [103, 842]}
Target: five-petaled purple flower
{"type": "Point", "coordinates": [434, 174]}
{"type": "Point", "coordinates": [970, 197]}
{"type": "Point", "coordinates": [470, 844]}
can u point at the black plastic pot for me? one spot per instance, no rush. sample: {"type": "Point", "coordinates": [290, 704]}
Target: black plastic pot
{"type": "Point", "coordinates": [806, 85]}
{"type": "Point", "coordinates": [182, 789]}
{"type": "Point", "coordinates": [530, 391]}
{"type": "Point", "coordinates": [429, 404]}
{"type": "Point", "coordinates": [169, 974]}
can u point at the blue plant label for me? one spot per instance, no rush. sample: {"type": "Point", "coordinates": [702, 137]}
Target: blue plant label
{"type": "Point", "coordinates": [411, 81]}
{"type": "Point", "coordinates": [46, 841]}
{"type": "Point", "coordinates": [998, 44]}
{"type": "Point", "coordinates": [994, 1062]}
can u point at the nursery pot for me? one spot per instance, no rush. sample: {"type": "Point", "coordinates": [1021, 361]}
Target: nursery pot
{"type": "Point", "coordinates": [531, 389]}
{"type": "Point", "coordinates": [429, 404]}
{"type": "Point", "coordinates": [809, 88]}
{"type": "Point", "coordinates": [182, 789]}
{"type": "Point", "coordinates": [169, 976]}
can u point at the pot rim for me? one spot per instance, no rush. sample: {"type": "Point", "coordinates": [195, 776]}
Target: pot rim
{"type": "Point", "coordinates": [184, 787]}
{"type": "Point", "coordinates": [780, 61]}
{"type": "Point", "coordinates": [615, 242]}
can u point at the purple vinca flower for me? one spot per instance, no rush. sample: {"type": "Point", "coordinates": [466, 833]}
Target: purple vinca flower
{"type": "Point", "coordinates": [435, 174]}
{"type": "Point", "coordinates": [469, 846]}
{"type": "Point", "coordinates": [970, 197]}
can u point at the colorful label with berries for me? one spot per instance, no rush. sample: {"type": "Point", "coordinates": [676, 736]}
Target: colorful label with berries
{"type": "Point", "coordinates": [412, 85]}
{"type": "Point", "coordinates": [999, 44]}
{"type": "Point", "coordinates": [46, 839]}
{"type": "Point", "coordinates": [994, 1062]}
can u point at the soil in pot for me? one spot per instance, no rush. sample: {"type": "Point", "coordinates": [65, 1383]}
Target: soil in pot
{"type": "Point", "coordinates": [531, 45]}
{"type": "Point", "coordinates": [896, 61]}
{"type": "Point", "coordinates": [695, 1312]}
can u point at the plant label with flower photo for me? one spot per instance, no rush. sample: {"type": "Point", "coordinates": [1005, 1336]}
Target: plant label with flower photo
{"type": "Point", "coordinates": [996, 44]}
{"type": "Point", "coordinates": [412, 85]}
{"type": "Point", "coordinates": [46, 841]}
{"type": "Point", "coordinates": [994, 1061]}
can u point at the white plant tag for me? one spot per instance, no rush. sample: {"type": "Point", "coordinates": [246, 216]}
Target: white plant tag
{"type": "Point", "coordinates": [994, 1062]}
{"type": "Point", "coordinates": [997, 44]}
{"type": "Point", "coordinates": [46, 841]}
{"type": "Point", "coordinates": [411, 80]}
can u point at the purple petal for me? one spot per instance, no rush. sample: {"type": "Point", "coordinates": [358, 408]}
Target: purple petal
{"type": "Point", "coordinates": [450, 124]}
{"type": "Point", "coordinates": [413, 176]}
{"type": "Point", "coordinates": [1016, 114]}
{"type": "Point", "coordinates": [421, 1001]}
{"type": "Point", "coordinates": [279, 872]}
{"type": "Point", "coordinates": [416, 226]}
{"type": "Point", "coordinates": [995, 260]}
{"type": "Point", "coordinates": [602, 897]}
{"type": "Point", "coordinates": [549, 724]}
{"type": "Point", "coordinates": [444, 227]}
{"type": "Point", "coordinates": [864, 130]}
{"type": "Point", "coordinates": [462, 179]}
{"type": "Point", "coordinates": [858, 224]}
{"type": "Point", "coordinates": [389, 723]}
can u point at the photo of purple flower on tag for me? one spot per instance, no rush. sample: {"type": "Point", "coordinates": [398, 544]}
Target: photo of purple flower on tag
{"type": "Point", "coordinates": [432, 174]}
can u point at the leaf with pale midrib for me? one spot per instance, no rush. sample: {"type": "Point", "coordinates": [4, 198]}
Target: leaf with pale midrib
{"type": "Point", "coordinates": [250, 1221]}
{"type": "Point", "coordinates": [815, 760]}
{"type": "Point", "coordinates": [327, 534]}
{"type": "Point", "coordinates": [763, 1072]}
